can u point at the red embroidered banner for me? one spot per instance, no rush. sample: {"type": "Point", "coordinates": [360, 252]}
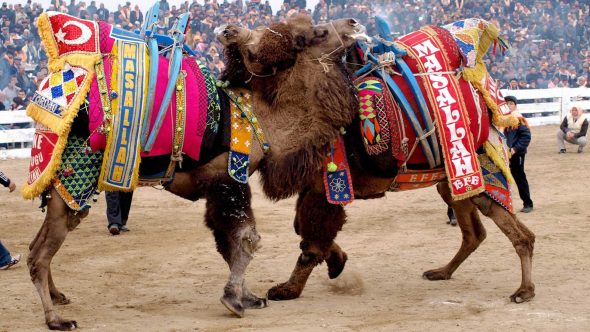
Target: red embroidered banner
{"type": "Point", "coordinates": [444, 95]}
{"type": "Point", "coordinates": [41, 152]}
{"type": "Point", "coordinates": [73, 35]}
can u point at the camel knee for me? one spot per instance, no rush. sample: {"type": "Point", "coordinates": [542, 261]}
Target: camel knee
{"type": "Point", "coordinates": [525, 244]}
{"type": "Point", "coordinates": [250, 240]}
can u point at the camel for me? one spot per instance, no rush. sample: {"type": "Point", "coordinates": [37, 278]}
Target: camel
{"type": "Point", "coordinates": [228, 209]}
{"type": "Point", "coordinates": [305, 136]}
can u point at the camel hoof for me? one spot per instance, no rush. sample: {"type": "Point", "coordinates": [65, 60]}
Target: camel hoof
{"type": "Point", "coordinates": [60, 300]}
{"type": "Point", "coordinates": [233, 305]}
{"type": "Point", "coordinates": [438, 274]}
{"type": "Point", "coordinates": [254, 302]}
{"type": "Point", "coordinates": [522, 296]}
{"type": "Point", "coordinates": [63, 325]}
{"type": "Point", "coordinates": [336, 264]}
{"type": "Point", "coordinates": [282, 292]}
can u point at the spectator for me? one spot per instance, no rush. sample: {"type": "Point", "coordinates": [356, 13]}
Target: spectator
{"type": "Point", "coordinates": [573, 129]}
{"type": "Point", "coordinates": [6, 259]}
{"type": "Point", "coordinates": [10, 91]}
{"type": "Point", "coordinates": [518, 140]}
{"type": "Point", "coordinates": [118, 206]}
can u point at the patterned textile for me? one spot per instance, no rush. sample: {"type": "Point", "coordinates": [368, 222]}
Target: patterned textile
{"type": "Point", "coordinates": [474, 37]}
{"type": "Point", "coordinates": [120, 169]}
{"type": "Point", "coordinates": [496, 185]}
{"type": "Point", "coordinates": [214, 109]}
{"type": "Point", "coordinates": [243, 126]}
{"type": "Point", "coordinates": [58, 97]}
{"type": "Point", "coordinates": [416, 179]}
{"type": "Point", "coordinates": [77, 178]}
{"type": "Point", "coordinates": [196, 110]}
{"type": "Point", "coordinates": [373, 115]}
{"type": "Point", "coordinates": [337, 178]}
{"type": "Point", "coordinates": [444, 94]}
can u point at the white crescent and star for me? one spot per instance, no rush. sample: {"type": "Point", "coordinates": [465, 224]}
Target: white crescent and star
{"type": "Point", "coordinates": [85, 34]}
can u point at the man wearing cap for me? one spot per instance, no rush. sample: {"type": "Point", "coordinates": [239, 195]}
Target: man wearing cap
{"type": "Point", "coordinates": [573, 129]}
{"type": "Point", "coordinates": [518, 140]}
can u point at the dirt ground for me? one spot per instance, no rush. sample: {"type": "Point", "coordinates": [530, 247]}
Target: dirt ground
{"type": "Point", "coordinates": [165, 275]}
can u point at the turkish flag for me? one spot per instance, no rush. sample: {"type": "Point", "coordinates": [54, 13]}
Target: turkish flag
{"type": "Point", "coordinates": [73, 35]}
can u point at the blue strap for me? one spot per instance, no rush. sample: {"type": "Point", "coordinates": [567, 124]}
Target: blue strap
{"type": "Point", "coordinates": [388, 46]}
{"type": "Point", "coordinates": [175, 63]}
{"type": "Point", "coordinates": [399, 97]}
{"type": "Point", "coordinates": [151, 17]}
{"type": "Point", "coordinates": [419, 97]}
{"type": "Point", "coordinates": [153, 78]}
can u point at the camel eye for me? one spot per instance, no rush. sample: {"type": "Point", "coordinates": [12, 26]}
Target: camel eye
{"type": "Point", "coordinates": [353, 22]}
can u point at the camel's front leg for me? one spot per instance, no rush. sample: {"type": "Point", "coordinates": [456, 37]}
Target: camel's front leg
{"type": "Point", "coordinates": [318, 223]}
{"type": "Point", "coordinates": [522, 239]}
{"type": "Point", "coordinates": [59, 220]}
{"type": "Point", "coordinates": [230, 217]}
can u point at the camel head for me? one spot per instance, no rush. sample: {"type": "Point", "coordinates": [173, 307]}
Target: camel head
{"type": "Point", "coordinates": [332, 39]}
{"type": "Point", "coordinates": [266, 50]}
{"type": "Point", "coordinates": [261, 51]}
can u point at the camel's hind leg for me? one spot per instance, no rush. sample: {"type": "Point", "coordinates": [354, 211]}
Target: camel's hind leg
{"type": "Point", "coordinates": [230, 217]}
{"type": "Point", "coordinates": [522, 239]}
{"type": "Point", "coordinates": [472, 231]}
{"type": "Point", "coordinates": [318, 223]}
{"type": "Point", "coordinates": [59, 220]}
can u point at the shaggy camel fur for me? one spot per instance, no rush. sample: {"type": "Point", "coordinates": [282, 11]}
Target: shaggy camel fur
{"type": "Point", "coordinates": [307, 133]}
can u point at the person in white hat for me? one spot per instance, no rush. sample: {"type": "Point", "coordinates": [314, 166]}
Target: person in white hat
{"type": "Point", "coordinates": [573, 129]}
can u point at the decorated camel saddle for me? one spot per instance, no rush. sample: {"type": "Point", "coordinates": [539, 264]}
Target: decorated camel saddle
{"type": "Point", "coordinates": [139, 101]}
{"type": "Point", "coordinates": [427, 100]}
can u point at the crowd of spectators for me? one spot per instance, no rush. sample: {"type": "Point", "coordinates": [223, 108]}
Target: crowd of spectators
{"type": "Point", "coordinates": [549, 39]}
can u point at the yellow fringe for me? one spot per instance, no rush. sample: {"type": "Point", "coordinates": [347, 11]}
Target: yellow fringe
{"type": "Point", "coordinates": [496, 156]}
{"type": "Point", "coordinates": [44, 180]}
{"type": "Point", "coordinates": [46, 34]}
{"type": "Point", "coordinates": [498, 118]}
{"type": "Point", "coordinates": [467, 194]}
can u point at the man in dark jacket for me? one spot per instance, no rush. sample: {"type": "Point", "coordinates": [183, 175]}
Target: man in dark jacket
{"type": "Point", "coordinates": [518, 140]}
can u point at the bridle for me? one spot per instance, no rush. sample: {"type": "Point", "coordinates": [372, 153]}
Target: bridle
{"type": "Point", "coordinates": [325, 59]}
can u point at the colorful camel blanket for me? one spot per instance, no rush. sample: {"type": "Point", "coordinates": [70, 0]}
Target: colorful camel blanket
{"type": "Point", "coordinates": [433, 52]}
{"type": "Point", "coordinates": [108, 68]}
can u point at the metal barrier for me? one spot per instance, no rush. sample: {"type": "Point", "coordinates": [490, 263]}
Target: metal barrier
{"type": "Point", "coordinates": [549, 106]}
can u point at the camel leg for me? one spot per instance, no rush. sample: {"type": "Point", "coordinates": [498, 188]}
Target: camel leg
{"type": "Point", "coordinates": [230, 217]}
{"type": "Point", "coordinates": [522, 239]}
{"type": "Point", "coordinates": [318, 223]}
{"type": "Point", "coordinates": [59, 220]}
{"type": "Point", "coordinates": [472, 230]}
{"type": "Point", "coordinates": [57, 297]}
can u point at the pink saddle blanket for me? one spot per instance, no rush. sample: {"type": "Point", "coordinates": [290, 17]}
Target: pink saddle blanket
{"type": "Point", "coordinates": [196, 107]}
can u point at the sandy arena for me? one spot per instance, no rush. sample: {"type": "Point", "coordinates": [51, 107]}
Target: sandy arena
{"type": "Point", "coordinates": [165, 275]}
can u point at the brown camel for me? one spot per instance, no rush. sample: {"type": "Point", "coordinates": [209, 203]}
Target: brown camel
{"type": "Point", "coordinates": [228, 209]}
{"type": "Point", "coordinates": [305, 135]}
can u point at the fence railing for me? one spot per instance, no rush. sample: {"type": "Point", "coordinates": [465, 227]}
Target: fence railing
{"type": "Point", "coordinates": [15, 141]}
{"type": "Point", "coordinates": [549, 106]}
{"type": "Point", "coordinates": [540, 106]}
